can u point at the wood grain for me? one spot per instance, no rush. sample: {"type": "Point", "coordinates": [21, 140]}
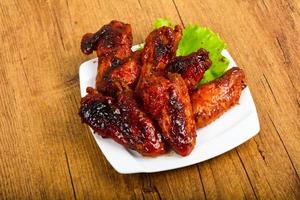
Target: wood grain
{"type": "Point", "coordinates": [45, 151]}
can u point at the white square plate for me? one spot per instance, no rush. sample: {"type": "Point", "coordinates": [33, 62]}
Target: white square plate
{"type": "Point", "coordinates": [235, 127]}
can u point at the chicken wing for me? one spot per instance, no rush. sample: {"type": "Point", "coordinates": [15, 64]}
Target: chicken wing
{"type": "Point", "coordinates": [116, 67]}
{"type": "Point", "coordinates": [166, 97]}
{"type": "Point", "coordinates": [160, 48]}
{"type": "Point", "coordinates": [168, 102]}
{"type": "Point", "coordinates": [213, 99]}
{"type": "Point", "coordinates": [191, 67]}
{"type": "Point", "coordinates": [114, 75]}
{"type": "Point", "coordinates": [176, 119]}
{"type": "Point", "coordinates": [113, 38]}
{"type": "Point", "coordinates": [122, 120]}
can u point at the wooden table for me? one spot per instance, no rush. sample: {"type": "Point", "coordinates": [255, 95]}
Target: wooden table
{"type": "Point", "coordinates": [45, 151]}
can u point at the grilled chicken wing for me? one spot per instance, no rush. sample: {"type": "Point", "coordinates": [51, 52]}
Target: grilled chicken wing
{"type": "Point", "coordinates": [122, 120]}
{"type": "Point", "coordinates": [168, 101]}
{"type": "Point", "coordinates": [113, 38]}
{"type": "Point", "coordinates": [166, 97]}
{"type": "Point", "coordinates": [117, 66]}
{"type": "Point", "coordinates": [191, 67]}
{"type": "Point", "coordinates": [160, 48]}
{"type": "Point", "coordinates": [115, 75]}
{"type": "Point", "coordinates": [213, 99]}
{"type": "Point", "coordinates": [176, 121]}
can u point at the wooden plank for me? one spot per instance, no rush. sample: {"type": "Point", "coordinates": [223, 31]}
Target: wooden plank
{"type": "Point", "coordinates": [263, 44]}
{"type": "Point", "coordinates": [33, 162]}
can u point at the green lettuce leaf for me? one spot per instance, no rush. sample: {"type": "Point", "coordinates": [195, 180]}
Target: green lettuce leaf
{"type": "Point", "coordinates": [195, 37]}
{"type": "Point", "coordinates": [162, 22]}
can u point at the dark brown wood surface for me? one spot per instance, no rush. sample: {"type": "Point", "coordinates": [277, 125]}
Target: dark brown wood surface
{"type": "Point", "coordinates": [45, 151]}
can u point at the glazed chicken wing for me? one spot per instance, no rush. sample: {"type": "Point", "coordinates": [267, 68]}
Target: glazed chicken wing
{"type": "Point", "coordinates": [113, 38]}
{"type": "Point", "coordinates": [166, 97]}
{"type": "Point", "coordinates": [191, 67]}
{"type": "Point", "coordinates": [115, 75]}
{"type": "Point", "coordinates": [176, 120]}
{"type": "Point", "coordinates": [160, 48]}
{"type": "Point", "coordinates": [122, 120]}
{"type": "Point", "coordinates": [168, 101]}
{"type": "Point", "coordinates": [213, 99]}
{"type": "Point", "coordinates": [117, 66]}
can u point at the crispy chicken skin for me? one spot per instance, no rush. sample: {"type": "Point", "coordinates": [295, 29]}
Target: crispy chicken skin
{"type": "Point", "coordinates": [191, 67]}
{"type": "Point", "coordinates": [213, 99]}
{"type": "Point", "coordinates": [160, 48]}
{"type": "Point", "coordinates": [122, 120]}
{"type": "Point", "coordinates": [116, 75]}
{"type": "Point", "coordinates": [113, 38]}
